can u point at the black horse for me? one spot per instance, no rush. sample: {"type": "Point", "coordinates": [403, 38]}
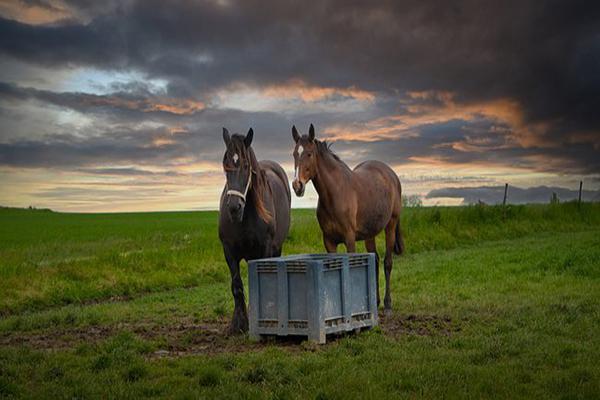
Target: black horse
{"type": "Point", "coordinates": [254, 214]}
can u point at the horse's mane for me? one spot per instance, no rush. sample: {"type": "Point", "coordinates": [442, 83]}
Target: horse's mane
{"type": "Point", "coordinates": [259, 179]}
{"type": "Point", "coordinates": [324, 149]}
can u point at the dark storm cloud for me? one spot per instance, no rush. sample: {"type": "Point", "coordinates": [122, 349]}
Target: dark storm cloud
{"type": "Point", "coordinates": [495, 194]}
{"type": "Point", "coordinates": [68, 150]}
{"type": "Point", "coordinates": [478, 49]}
{"type": "Point", "coordinates": [543, 55]}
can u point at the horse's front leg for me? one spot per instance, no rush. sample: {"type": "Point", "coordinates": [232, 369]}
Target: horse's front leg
{"type": "Point", "coordinates": [268, 250]}
{"type": "Point", "coordinates": [239, 323]}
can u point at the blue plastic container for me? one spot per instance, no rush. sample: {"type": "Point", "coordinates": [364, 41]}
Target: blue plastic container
{"type": "Point", "coordinates": [312, 294]}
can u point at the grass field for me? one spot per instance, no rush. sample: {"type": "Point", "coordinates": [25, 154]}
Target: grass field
{"type": "Point", "coordinates": [488, 302]}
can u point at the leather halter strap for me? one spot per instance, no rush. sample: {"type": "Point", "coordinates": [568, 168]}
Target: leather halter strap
{"type": "Point", "coordinates": [231, 192]}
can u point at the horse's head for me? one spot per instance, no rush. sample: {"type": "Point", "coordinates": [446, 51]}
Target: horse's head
{"type": "Point", "coordinates": [237, 164]}
{"type": "Point", "coordinates": [305, 159]}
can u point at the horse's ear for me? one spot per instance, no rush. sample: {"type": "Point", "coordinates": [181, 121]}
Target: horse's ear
{"type": "Point", "coordinates": [311, 133]}
{"type": "Point", "coordinates": [226, 137]}
{"type": "Point", "coordinates": [295, 134]}
{"type": "Point", "coordinates": [248, 138]}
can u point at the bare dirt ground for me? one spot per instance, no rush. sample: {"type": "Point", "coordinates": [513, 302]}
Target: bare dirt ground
{"type": "Point", "coordinates": [212, 337]}
{"type": "Point", "coordinates": [421, 325]}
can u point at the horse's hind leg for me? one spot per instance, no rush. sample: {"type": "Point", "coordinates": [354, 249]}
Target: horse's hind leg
{"type": "Point", "coordinates": [372, 248]}
{"type": "Point", "coordinates": [350, 242]}
{"type": "Point", "coordinates": [239, 323]}
{"type": "Point", "coordinates": [390, 240]}
{"type": "Point", "coordinates": [330, 246]}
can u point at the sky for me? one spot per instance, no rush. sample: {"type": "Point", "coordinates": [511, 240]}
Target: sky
{"type": "Point", "coordinates": [112, 106]}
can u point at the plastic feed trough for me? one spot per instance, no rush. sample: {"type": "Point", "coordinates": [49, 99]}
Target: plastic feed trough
{"type": "Point", "coordinates": [312, 295]}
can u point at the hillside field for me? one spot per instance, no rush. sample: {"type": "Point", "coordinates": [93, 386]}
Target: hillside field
{"type": "Point", "coordinates": [489, 301]}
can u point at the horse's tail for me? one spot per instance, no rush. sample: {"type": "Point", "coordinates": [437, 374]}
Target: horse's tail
{"type": "Point", "coordinates": [399, 242]}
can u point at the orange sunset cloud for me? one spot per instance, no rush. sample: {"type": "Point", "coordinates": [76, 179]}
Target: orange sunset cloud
{"type": "Point", "coordinates": [308, 93]}
{"type": "Point", "coordinates": [422, 111]}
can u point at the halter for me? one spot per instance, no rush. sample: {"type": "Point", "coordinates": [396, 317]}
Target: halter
{"type": "Point", "coordinates": [231, 192]}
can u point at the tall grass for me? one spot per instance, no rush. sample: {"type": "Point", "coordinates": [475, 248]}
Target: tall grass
{"type": "Point", "coordinates": [448, 227]}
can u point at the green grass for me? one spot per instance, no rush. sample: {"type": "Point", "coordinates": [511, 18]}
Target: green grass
{"type": "Point", "coordinates": [494, 302]}
{"type": "Point", "coordinates": [49, 259]}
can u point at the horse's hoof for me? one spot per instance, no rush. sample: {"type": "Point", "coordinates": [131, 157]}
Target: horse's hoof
{"type": "Point", "coordinates": [387, 312]}
{"type": "Point", "coordinates": [237, 330]}
{"type": "Point", "coordinates": [238, 327]}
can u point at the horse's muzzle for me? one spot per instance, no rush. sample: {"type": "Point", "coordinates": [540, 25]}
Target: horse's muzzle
{"type": "Point", "coordinates": [236, 209]}
{"type": "Point", "coordinates": [298, 187]}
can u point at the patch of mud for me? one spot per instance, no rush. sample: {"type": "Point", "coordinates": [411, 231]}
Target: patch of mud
{"type": "Point", "coordinates": [185, 338]}
{"type": "Point", "coordinates": [212, 337]}
{"type": "Point", "coordinates": [58, 338]}
{"type": "Point", "coordinates": [398, 325]}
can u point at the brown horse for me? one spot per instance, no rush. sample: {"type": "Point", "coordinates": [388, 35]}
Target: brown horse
{"type": "Point", "coordinates": [353, 204]}
{"type": "Point", "coordinates": [254, 214]}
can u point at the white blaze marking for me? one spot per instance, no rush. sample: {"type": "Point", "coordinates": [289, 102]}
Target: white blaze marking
{"type": "Point", "coordinates": [235, 158]}
{"type": "Point", "coordinates": [300, 151]}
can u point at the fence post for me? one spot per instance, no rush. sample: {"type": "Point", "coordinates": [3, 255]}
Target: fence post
{"type": "Point", "coordinates": [580, 187]}
{"type": "Point", "coordinates": [505, 193]}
